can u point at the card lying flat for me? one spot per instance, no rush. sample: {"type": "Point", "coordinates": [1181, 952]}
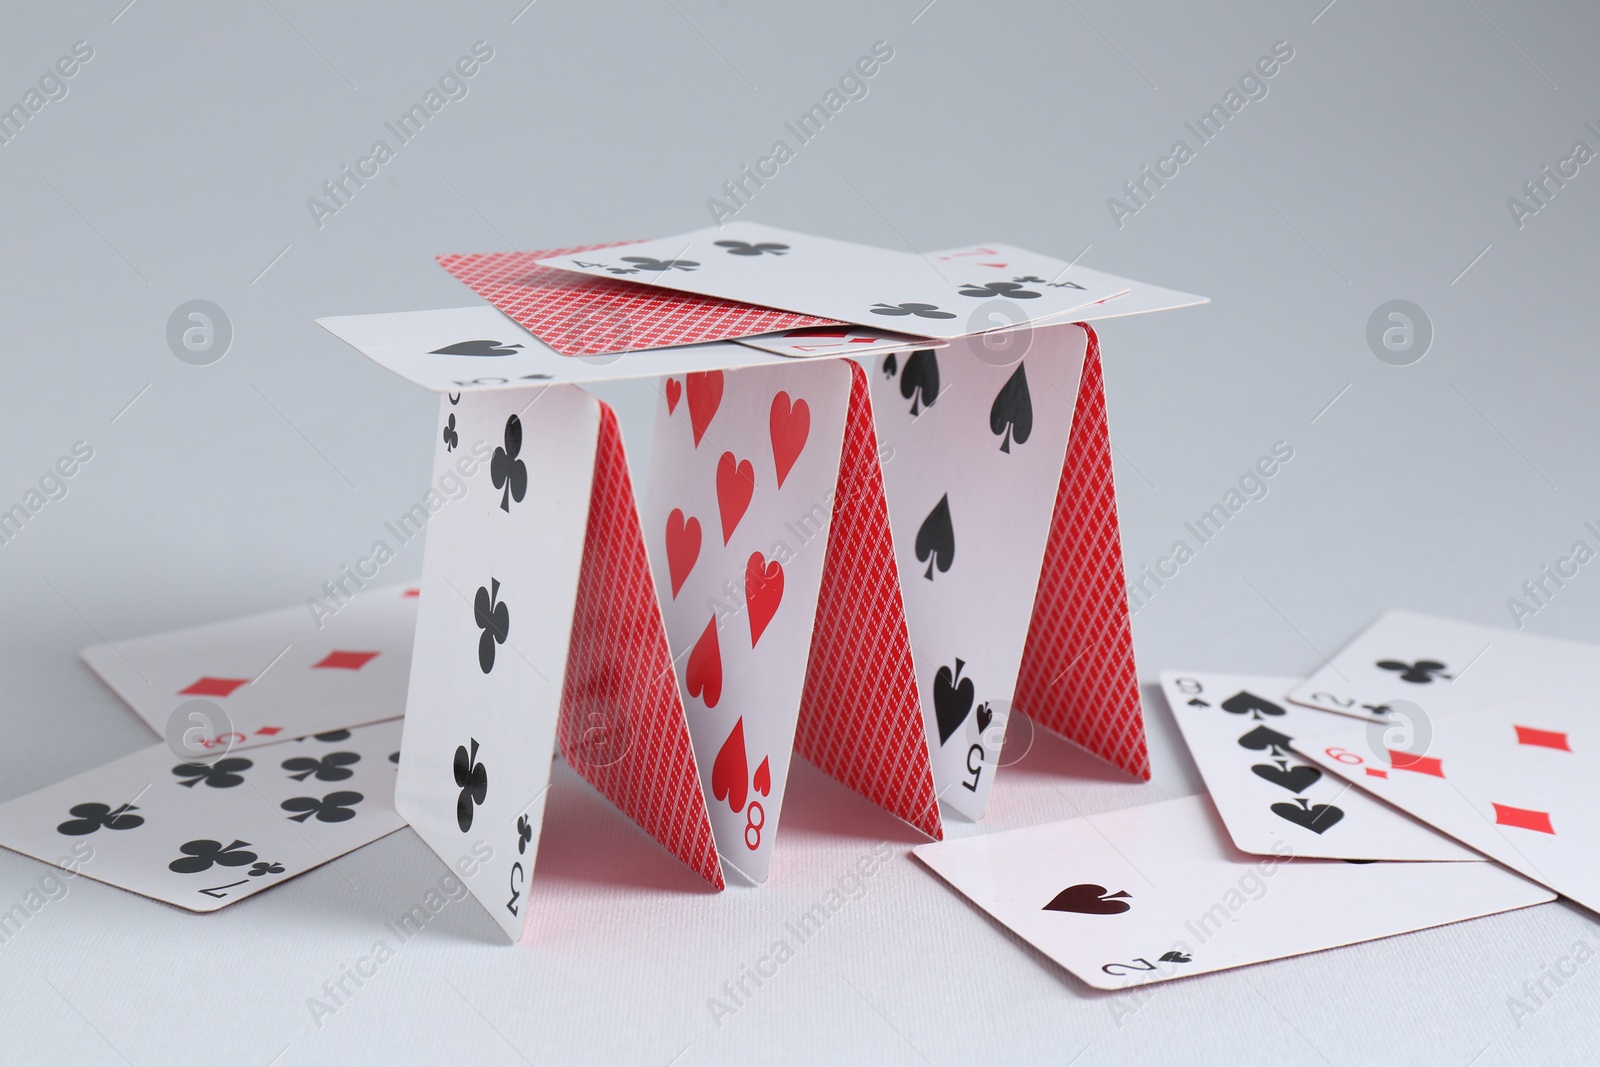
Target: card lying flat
{"type": "Point", "coordinates": [578, 315]}
{"type": "Point", "coordinates": [996, 287]}
{"type": "Point", "coordinates": [1238, 728]}
{"type": "Point", "coordinates": [837, 341]}
{"type": "Point", "coordinates": [341, 661]}
{"type": "Point", "coordinates": [1514, 782]}
{"type": "Point", "coordinates": [1444, 666]}
{"type": "Point", "coordinates": [205, 834]}
{"type": "Point", "coordinates": [457, 350]}
{"type": "Point", "coordinates": [1149, 894]}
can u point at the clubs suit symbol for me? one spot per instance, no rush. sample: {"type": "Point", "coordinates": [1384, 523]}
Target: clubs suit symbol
{"type": "Point", "coordinates": [921, 311]}
{"type": "Point", "coordinates": [1421, 672]}
{"type": "Point", "coordinates": [473, 779]}
{"type": "Point", "coordinates": [338, 806]}
{"type": "Point", "coordinates": [655, 266]}
{"type": "Point", "coordinates": [223, 774]}
{"type": "Point", "coordinates": [745, 248]}
{"type": "Point", "coordinates": [1009, 290]}
{"type": "Point", "coordinates": [334, 767]}
{"type": "Point", "coordinates": [92, 817]}
{"type": "Point", "coordinates": [204, 853]}
{"type": "Point", "coordinates": [524, 834]}
{"type": "Point", "coordinates": [451, 437]}
{"type": "Point", "coordinates": [493, 617]}
{"type": "Point", "coordinates": [509, 473]}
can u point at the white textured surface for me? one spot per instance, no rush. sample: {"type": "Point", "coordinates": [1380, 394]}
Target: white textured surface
{"type": "Point", "coordinates": [1377, 167]}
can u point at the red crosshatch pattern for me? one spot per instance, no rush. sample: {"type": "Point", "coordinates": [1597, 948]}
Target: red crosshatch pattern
{"type": "Point", "coordinates": [860, 718]}
{"type": "Point", "coordinates": [213, 687]}
{"type": "Point", "coordinates": [622, 726]}
{"type": "Point", "coordinates": [1077, 677]}
{"type": "Point", "coordinates": [580, 315]}
{"type": "Point", "coordinates": [1523, 818]}
{"type": "Point", "coordinates": [346, 661]}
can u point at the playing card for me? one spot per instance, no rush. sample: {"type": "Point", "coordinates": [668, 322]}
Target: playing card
{"type": "Point", "coordinates": [458, 350]}
{"type": "Point", "coordinates": [341, 659]}
{"type": "Point", "coordinates": [1444, 666]}
{"type": "Point", "coordinates": [203, 834]}
{"type": "Point", "coordinates": [1512, 781]}
{"type": "Point", "coordinates": [973, 439]}
{"type": "Point", "coordinates": [498, 588]}
{"type": "Point", "coordinates": [1238, 728]}
{"type": "Point", "coordinates": [1153, 893]}
{"type": "Point", "coordinates": [837, 341]}
{"type": "Point", "coordinates": [579, 315]}
{"type": "Point", "coordinates": [736, 512]}
{"type": "Point", "coordinates": [1137, 299]}
{"type": "Point", "coordinates": [859, 284]}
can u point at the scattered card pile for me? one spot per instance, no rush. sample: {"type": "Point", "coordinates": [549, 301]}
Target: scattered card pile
{"type": "Point", "coordinates": [282, 741]}
{"type": "Point", "coordinates": [1337, 805]}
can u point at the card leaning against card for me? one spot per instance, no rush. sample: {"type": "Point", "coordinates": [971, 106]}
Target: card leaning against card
{"type": "Point", "coordinates": [1153, 893]}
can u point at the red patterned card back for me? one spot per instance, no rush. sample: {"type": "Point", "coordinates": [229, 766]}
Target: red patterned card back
{"type": "Point", "coordinates": [622, 726]}
{"type": "Point", "coordinates": [579, 315]}
{"type": "Point", "coordinates": [860, 717]}
{"type": "Point", "coordinates": [1077, 676]}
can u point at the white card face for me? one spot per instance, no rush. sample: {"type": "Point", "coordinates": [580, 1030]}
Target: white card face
{"type": "Point", "coordinates": [972, 449]}
{"type": "Point", "coordinates": [498, 587]}
{"type": "Point", "coordinates": [1154, 893]}
{"type": "Point", "coordinates": [1238, 728]}
{"type": "Point", "coordinates": [455, 350]}
{"type": "Point", "coordinates": [1444, 666]}
{"type": "Point", "coordinates": [341, 660]}
{"type": "Point", "coordinates": [205, 834]}
{"type": "Point", "coordinates": [875, 287]}
{"type": "Point", "coordinates": [813, 341]}
{"type": "Point", "coordinates": [736, 513]}
{"type": "Point", "coordinates": [1515, 782]}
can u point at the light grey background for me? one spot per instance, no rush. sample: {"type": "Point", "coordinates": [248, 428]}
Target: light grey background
{"type": "Point", "coordinates": [1377, 167]}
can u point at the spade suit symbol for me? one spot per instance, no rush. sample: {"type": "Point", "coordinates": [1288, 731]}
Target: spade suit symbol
{"type": "Point", "coordinates": [1245, 701]}
{"type": "Point", "coordinates": [1314, 817]}
{"type": "Point", "coordinates": [952, 699]}
{"type": "Point", "coordinates": [936, 539]}
{"type": "Point", "coordinates": [1088, 899]}
{"type": "Point", "coordinates": [1011, 414]}
{"type": "Point", "coordinates": [476, 348]}
{"type": "Point", "coordinates": [919, 381]}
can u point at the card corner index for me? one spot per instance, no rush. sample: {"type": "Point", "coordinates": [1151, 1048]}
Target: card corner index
{"type": "Point", "coordinates": [860, 715]}
{"type": "Point", "coordinates": [1078, 677]}
{"type": "Point", "coordinates": [622, 726]}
